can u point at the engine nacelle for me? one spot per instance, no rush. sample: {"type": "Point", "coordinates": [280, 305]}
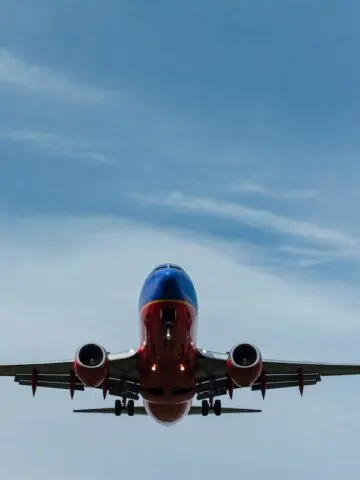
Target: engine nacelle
{"type": "Point", "coordinates": [244, 364]}
{"type": "Point", "coordinates": [91, 364]}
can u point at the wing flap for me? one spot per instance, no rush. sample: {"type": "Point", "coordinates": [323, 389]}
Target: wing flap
{"type": "Point", "coordinates": [116, 387]}
{"type": "Point", "coordinates": [290, 377]}
{"type": "Point", "coordinates": [273, 385]}
{"type": "Point", "coordinates": [65, 379]}
{"type": "Point", "coordinates": [219, 386]}
{"type": "Point", "coordinates": [57, 385]}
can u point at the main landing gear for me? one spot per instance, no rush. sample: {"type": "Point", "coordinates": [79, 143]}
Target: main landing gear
{"type": "Point", "coordinates": [120, 406]}
{"type": "Point", "coordinates": [206, 407]}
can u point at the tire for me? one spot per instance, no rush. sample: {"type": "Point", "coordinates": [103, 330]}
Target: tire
{"type": "Point", "coordinates": [118, 407]}
{"type": "Point", "coordinates": [130, 408]}
{"type": "Point", "coordinates": [217, 407]}
{"type": "Point", "coordinates": [204, 408]}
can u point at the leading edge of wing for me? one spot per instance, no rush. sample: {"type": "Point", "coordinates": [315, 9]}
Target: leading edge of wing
{"type": "Point", "coordinates": [323, 369]}
{"type": "Point", "coordinates": [118, 364]}
{"type": "Point", "coordinates": [215, 362]}
{"type": "Point", "coordinates": [9, 370]}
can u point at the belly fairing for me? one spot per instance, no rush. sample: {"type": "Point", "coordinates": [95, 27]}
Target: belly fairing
{"type": "Point", "coordinates": [167, 414]}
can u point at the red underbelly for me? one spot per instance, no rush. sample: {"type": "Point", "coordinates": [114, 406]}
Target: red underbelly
{"type": "Point", "coordinates": [167, 367]}
{"type": "Point", "coordinates": [167, 413]}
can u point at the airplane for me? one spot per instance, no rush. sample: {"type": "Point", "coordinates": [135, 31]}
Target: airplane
{"type": "Point", "coordinates": [168, 369]}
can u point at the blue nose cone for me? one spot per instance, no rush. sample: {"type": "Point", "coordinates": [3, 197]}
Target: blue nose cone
{"type": "Point", "coordinates": [168, 282]}
{"type": "Point", "coordinates": [168, 287]}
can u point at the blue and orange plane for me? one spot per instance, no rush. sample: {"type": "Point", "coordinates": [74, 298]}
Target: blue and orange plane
{"type": "Point", "coordinates": [168, 370]}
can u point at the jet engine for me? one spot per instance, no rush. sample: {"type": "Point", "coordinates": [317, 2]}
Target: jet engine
{"type": "Point", "coordinates": [91, 364]}
{"type": "Point", "coordinates": [244, 364]}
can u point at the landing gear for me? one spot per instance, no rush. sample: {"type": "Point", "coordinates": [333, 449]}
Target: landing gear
{"type": "Point", "coordinates": [206, 407]}
{"type": "Point", "coordinates": [217, 407]}
{"type": "Point", "coordinates": [120, 406]}
{"type": "Point", "coordinates": [168, 317]}
{"type": "Point", "coordinates": [167, 336]}
{"type": "Point", "coordinates": [130, 408]}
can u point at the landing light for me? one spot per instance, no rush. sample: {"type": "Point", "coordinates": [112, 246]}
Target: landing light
{"type": "Point", "coordinates": [154, 367]}
{"type": "Point", "coordinates": [182, 367]}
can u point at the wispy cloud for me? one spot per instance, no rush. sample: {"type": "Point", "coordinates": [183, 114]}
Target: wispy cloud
{"type": "Point", "coordinates": [308, 257]}
{"type": "Point", "coordinates": [56, 144]}
{"type": "Point", "coordinates": [248, 187]}
{"type": "Point", "coordinates": [17, 72]}
{"type": "Point", "coordinates": [263, 219]}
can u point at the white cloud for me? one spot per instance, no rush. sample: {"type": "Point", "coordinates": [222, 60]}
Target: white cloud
{"type": "Point", "coordinates": [55, 143]}
{"type": "Point", "coordinates": [17, 72]}
{"type": "Point", "coordinates": [68, 281]}
{"type": "Point", "coordinates": [263, 219]}
{"type": "Point", "coordinates": [264, 191]}
{"type": "Point", "coordinates": [313, 256]}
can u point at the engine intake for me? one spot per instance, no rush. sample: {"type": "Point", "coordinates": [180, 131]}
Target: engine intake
{"type": "Point", "coordinates": [244, 364]}
{"type": "Point", "coordinates": [91, 355]}
{"type": "Point", "coordinates": [244, 355]}
{"type": "Point", "coordinates": [91, 364]}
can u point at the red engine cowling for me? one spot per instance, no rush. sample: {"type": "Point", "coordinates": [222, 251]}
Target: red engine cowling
{"type": "Point", "coordinates": [91, 364]}
{"type": "Point", "coordinates": [244, 364]}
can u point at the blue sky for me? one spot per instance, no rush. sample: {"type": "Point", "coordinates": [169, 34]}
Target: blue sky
{"type": "Point", "coordinates": [220, 136]}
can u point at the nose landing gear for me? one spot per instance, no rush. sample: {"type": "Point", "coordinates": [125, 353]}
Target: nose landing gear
{"type": "Point", "coordinates": [168, 316]}
{"type": "Point", "coordinates": [168, 334]}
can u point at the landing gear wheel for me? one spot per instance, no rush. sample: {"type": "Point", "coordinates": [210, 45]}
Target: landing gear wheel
{"type": "Point", "coordinates": [130, 408]}
{"type": "Point", "coordinates": [217, 407]}
{"type": "Point", "coordinates": [205, 408]}
{"type": "Point", "coordinates": [118, 407]}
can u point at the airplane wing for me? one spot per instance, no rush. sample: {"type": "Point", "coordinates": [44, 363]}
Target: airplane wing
{"type": "Point", "coordinates": [110, 410]}
{"type": "Point", "coordinates": [194, 410]}
{"type": "Point", "coordinates": [212, 374]}
{"type": "Point", "coordinates": [123, 375]}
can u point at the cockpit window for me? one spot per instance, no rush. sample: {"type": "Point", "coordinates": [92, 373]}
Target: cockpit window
{"type": "Point", "coordinates": [171, 265]}
{"type": "Point", "coordinates": [168, 265]}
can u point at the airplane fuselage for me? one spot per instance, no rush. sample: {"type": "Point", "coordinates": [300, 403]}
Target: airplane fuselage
{"type": "Point", "coordinates": [168, 311]}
